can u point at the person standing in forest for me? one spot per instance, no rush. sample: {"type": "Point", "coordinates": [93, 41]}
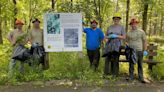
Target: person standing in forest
{"type": "Point", "coordinates": [94, 37]}
{"type": "Point", "coordinates": [115, 33]}
{"type": "Point", "coordinates": [136, 39]}
{"type": "Point", "coordinates": [16, 37]}
{"type": "Point", "coordinates": [36, 39]}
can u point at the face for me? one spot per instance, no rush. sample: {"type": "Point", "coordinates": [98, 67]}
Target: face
{"type": "Point", "coordinates": [134, 26]}
{"type": "Point", "coordinates": [36, 24]}
{"type": "Point", "coordinates": [19, 26]}
{"type": "Point", "coordinates": [116, 20]}
{"type": "Point", "coordinates": [94, 25]}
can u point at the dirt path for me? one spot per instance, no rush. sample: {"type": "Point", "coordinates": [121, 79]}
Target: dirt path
{"type": "Point", "coordinates": [156, 87]}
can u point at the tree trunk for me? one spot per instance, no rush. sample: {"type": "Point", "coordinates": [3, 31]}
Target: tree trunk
{"type": "Point", "coordinates": [1, 38]}
{"type": "Point", "coordinates": [150, 26]}
{"type": "Point", "coordinates": [144, 25]}
{"type": "Point", "coordinates": [127, 15]}
{"type": "Point", "coordinates": [117, 8]}
{"type": "Point", "coordinates": [161, 26]}
{"type": "Point", "coordinates": [72, 6]}
{"type": "Point", "coordinates": [155, 24]}
{"type": "Point", "coordinates": [15, 12]}
{"type": "Point", "coordinates": [53, 4]}
{"type": "Point", "coordinates": [97, 12]}
{"type": "Point", "coordinates": [100, 19]}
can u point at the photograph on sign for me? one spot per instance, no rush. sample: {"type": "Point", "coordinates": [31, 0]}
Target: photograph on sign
{"type": "Point", "coordinates": [53, 24]}
{"type": "Point", "coordinates": [71, 37]}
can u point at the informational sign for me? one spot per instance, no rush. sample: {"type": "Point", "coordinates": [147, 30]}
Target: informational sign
{"type": "Point", "coordinates": [62, 32]}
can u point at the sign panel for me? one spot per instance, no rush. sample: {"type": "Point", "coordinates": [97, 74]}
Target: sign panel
{"type": "Point", "coordinates": [62, 32]}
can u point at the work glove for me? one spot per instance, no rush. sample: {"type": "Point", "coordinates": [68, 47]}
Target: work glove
{"type": "Point", "coordinates": [113, 36]}
{"type": "Point", "coordinates": [34, 45]}
{"type": "Point", "coordinates": [145, 53]}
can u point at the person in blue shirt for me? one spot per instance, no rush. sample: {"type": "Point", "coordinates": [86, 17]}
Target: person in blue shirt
{"type": "Point", "coordinates": [94, 37]}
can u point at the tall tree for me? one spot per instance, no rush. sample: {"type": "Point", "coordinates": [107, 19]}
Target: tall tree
{"type": "Point", "coordinates": [15, 12]}
{"type": "Point", "coordinates": [127, 14]}
{"type": "Point", "coordinates": [1, 40]}
{"type": "Point", "coordinates": [144, 18]}
{"type": "Point", "coordinates": [53, 4]}
{"type": "Point", "coordinates": [161, 25]}
{"type": "Point", "coordinates": [98, 11]}
{"type": "Point", "coordinates": [71, 5]}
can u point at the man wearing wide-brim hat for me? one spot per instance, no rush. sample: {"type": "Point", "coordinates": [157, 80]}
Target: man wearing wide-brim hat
{"type": "Point", "coordinates": [16, 37]}
{"type": "Point", "coordinates": [136, 39]}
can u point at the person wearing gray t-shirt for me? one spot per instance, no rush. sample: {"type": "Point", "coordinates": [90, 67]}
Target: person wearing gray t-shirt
{"type": "Point", "coordinates": [115, 33]}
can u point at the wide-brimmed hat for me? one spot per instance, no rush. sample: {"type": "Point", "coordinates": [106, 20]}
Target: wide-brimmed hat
{"type": "Point", "coordinates": [94, 21]}
{"type": "Point", "coordinates": [18, 21]}
{"type": "Point", "coordinates": [133, 20]}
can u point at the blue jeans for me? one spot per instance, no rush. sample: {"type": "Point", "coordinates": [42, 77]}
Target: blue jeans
{"type": "Point", "coordinates": [12, 65]}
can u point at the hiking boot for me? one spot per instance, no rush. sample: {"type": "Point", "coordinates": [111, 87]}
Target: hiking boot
{"type": "Point", "coordinates": [129, 79]}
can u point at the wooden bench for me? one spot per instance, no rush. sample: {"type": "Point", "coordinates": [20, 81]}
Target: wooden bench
{"type": "Point", "coordinates": [152, 51]}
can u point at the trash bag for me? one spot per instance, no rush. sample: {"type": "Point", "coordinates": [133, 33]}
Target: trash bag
{"type": "Point", "coordinates": [130, 54]}
{"type": "Point", "coordinates": [21, 53]}
{"type": "Point", "coordinates": [112, 46]}
{"type": "Point", "coordinates": [38, 53]}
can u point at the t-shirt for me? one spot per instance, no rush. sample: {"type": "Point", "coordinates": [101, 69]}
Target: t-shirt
{"type": "Point", "coordinates": [135, 39]}
{"type": "Point", "coordinates": [114, 44]}
{"type": "Point", "coordinates": [18, 37]}
{"type": "Point", "coordinates": [93, 38]}
{"type": "Point", "coordinates": [36, 36]}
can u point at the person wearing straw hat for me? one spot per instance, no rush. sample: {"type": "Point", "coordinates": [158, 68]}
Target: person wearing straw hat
{"type": "Point", "coordinates": [136, 39]}
{"type": "Point", "coordinates": [16, 37]}
{"type": "Point", "coordinates": [114, 35]}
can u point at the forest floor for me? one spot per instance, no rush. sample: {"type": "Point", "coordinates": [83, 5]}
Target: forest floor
{"type": "Point", "coordinates": [72, 86]}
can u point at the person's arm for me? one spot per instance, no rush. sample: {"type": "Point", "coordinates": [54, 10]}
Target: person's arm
{"type": "Point", "coordinates": [123, 34]}
{"type": "Point", "coordinates": [11, 38]}
{"type": "Point", "coordinates": [102, 37]}
{"type": "Point", "coordinates": [29, 37]}
{"type": "Point", "coordinates": [85, 30]}
{"type": "Point", "coordinates": [127, 40]}
{"type": "Point", "coordinates": [106, 36]}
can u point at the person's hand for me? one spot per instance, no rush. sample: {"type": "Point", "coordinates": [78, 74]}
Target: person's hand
{"type": "Point", "coordinates": [34, 45]}
{"type": "Point", "coordinates": [145, 53]}
{"type": "Point", "coordinates": [113, 36]}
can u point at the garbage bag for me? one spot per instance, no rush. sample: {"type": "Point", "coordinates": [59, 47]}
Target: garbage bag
{"type": "Point", "coordinates": [130, 54]}
{"type": "Point", "coordinates": [21, 53]}
{"type": "Point", "coordinates": [38, 53]}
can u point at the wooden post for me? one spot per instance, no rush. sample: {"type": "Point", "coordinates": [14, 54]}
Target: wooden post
{"type": "Point", "coordinates": [150, 58]}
